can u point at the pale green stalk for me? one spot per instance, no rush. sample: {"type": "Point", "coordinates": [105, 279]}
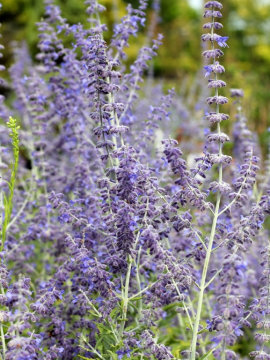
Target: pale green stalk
{"type": "Point", "coordinates": [125, 298]}
{"type": "Point", "coordinates": [126, 290]}
{"type": "Point", "coordinates": [203, 281]}
{"type": "Point", "coordinates": [3, 340]}
{"type": "Point", "coordinates": [139, 282]}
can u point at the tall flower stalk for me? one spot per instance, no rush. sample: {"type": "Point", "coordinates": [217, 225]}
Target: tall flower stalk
{"type": "Point", "coordinates": [212, 11]}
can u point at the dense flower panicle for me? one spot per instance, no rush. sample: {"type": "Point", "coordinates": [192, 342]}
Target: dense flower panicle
{"type": "Point", "coordinates": [50, 46]}
{"type": "Point", "coordinates": [125, 235]}
{"type": "Point", "coordinates": [158, 116]}
{"type": "Point", "coordinates": [128, 27]}
{"type": "Point", "coordinates": [230, 305]}
{"type": "Point", "coordinates": [248, 172]}
{"type": "Point", "coordinates": [189, 191]}
{"type": "Point", "coordinates": [260, 309]}
{"type": "Point", "coordinates": [243, 138]}
{"type": "Point", "coordinates": [130, 83]}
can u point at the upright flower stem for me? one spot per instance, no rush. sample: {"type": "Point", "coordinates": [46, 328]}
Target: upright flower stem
{"type": "Point", "coordinates": [203, 281]}
{"type": "Point", "coordinates": [203, 284]}
{"type": "Point", "coordinates": [126, 290]}
{"type": "Point", "coordinates": [126, 299]}
{"type": "Point", "coordinates": [3, 342]}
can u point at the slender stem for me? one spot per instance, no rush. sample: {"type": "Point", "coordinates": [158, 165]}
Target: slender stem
{"type": "Point", "coordinates": [199, 237]}
{"type": "Point", "coordinates": [3, 340]}
{"type": "Point", "coordinates": [203, 281]}
{"type": "Point", "coordinates": [126, 299]}
{"type": "Point", "coordinates": [139, 282]}
{"type": "Point", "coordinates": [143, 290]}
{"type": "Point", "coordinates": [212, 233]}
{"type": "Point", "coordinates": [186, 310]}
{"type": "Point", "coordinates": [213, 278]}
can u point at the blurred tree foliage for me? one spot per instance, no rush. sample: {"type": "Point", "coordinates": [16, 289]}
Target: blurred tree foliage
{"type": "Point", "coordinates": [245, 21]}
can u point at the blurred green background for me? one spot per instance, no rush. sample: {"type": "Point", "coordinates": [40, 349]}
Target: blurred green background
{"type": "Point", "coordinates": [246, 22]}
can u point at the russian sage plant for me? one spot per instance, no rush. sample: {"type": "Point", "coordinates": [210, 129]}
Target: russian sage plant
{"type": "Point", "coordinates": [116, 243]}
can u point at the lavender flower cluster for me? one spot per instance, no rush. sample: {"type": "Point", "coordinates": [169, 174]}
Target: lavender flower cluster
{"type": "Point", "coordinates": [116, 243]}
